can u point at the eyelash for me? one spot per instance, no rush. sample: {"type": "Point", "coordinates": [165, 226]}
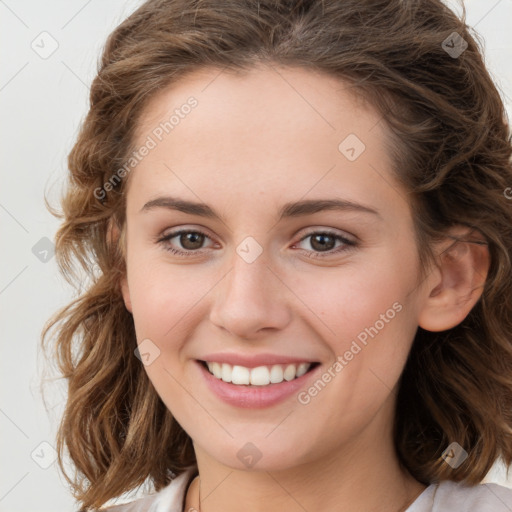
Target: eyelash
{"type": "Point", "coordinates": [348, 244]}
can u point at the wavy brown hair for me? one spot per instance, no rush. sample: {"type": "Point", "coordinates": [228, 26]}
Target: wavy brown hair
{"type": "Point", "coordinates": [451, 150]}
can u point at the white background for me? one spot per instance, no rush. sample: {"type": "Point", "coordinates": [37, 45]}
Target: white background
{"type": "Point", "coordinates": [42, 103]}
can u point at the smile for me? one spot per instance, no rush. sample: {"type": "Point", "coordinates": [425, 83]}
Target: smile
{"type": "Point", "coordinates": [256, 387]}
{"type": "Point", "coordinates": [258, 376]}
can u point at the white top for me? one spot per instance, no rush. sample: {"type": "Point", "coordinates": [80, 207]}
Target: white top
{"type": "Point", "coordinates": [446, 496]}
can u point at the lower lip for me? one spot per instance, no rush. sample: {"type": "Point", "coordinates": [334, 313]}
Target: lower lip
{"type": "Point", "coordinates": [254, 397]}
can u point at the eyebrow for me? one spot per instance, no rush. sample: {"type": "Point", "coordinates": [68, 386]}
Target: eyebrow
{"type": "Point", "coordinates": [288, 210]}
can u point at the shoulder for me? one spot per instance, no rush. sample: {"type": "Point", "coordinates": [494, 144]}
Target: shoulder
{"type": "Point", "coordinates": [168, 499]}
{"type": "Point", "coordinates": [458, 497]}
{"type": "Point", "coordinates": [145, 504]}
{"type": "Point", "coordinates": [487, 497]}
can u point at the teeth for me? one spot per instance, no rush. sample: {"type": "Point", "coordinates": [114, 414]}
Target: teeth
{"type": "Point", "coordinates": [302, 369]}
{"type": "Point", "coordinates": [259, 376]}
{"type": "Point", "coordinates": [276, 374]}
{"type": "Point", "coordinates": [240, 375]}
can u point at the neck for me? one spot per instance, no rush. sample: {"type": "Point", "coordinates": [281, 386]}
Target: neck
{"type": "Point", "coordinates": [355, 469]}
{"type": "Point", "coordinates": [328, 488]}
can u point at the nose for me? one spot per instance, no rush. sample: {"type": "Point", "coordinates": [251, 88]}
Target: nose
{"type": "Point", "coordinates": [251, 299]}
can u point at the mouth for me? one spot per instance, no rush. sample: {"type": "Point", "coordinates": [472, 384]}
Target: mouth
{"type": "Point", "coordinates": [260, 376]}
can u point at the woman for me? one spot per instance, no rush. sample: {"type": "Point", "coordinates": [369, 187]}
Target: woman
{"type": "Point", "coordinates": [300, 217]}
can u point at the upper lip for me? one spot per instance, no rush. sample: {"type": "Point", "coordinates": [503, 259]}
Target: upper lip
{"type": "Point", "coordinates": [253, 361]}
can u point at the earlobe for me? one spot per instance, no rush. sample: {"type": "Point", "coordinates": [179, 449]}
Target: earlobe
{"type": "Point", "coordinates": [457, 283]}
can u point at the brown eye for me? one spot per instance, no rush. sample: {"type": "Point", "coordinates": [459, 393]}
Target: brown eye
{"type": "Point", "coordinates": [191, 240]}
{"type": "Point", "coordinates": [188, 241]}
{"type": "Point", "coordinates": [322, 242]}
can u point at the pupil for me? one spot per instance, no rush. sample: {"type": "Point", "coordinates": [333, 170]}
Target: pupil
{"type": "Point", "coordinates": [322, 245]}
{"type": "Point", "coordinates": [191, 240]}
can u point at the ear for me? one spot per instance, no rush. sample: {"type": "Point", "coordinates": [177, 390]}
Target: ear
{"type": "Point", "coordinates": [457, 282]}
{"type": "Point", "coordinates": [115, 236]}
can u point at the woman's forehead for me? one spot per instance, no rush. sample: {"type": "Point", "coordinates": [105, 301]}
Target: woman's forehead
{"type": "Point", "coordinates": [261, 97]}
{"type": "Point", "coordinates": [264, 131]}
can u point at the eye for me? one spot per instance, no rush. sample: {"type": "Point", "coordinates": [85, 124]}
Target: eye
{"type": "Point", "coordinates": [325, 242]}
{"type": "Point", "coordinates": [190, 241]}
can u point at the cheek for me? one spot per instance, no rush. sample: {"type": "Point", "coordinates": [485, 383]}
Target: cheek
{"type": "Point", "coordinates": [368, 324]}
{"type": "Point", "coordinates": [167, 298]}
{"type": "Point", "coordinates": [166, 301]}
{"type": "Point", "coordinates": [365, 314]}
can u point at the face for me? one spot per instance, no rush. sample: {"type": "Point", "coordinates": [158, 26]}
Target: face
{"type": "Point", "coordinates": [304, 252]}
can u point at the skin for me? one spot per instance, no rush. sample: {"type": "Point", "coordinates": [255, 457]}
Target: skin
{"type": "Point", "coordinates": [254, 142]}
